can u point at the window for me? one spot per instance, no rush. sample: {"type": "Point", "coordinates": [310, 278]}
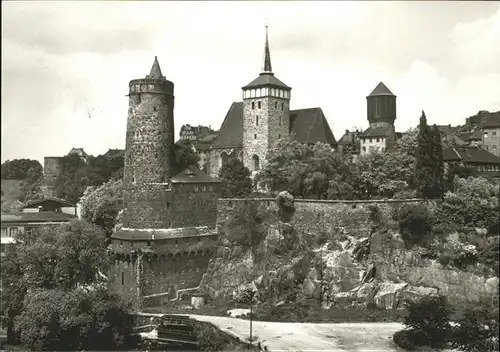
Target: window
{"type": "Point", "coordinates": [148, 243]}
{"type": "Point", "coordinates": [378, 139]}
{"type": "Point", "coordinates": [485, 134]}
{"type": "Point", "coordinates": [133, 179]}
{"type": "Point", "coordinates": [29, 230]}
{"type": "Point", "coordinates": [364, 149]}
{"type": "Point", "coordinates": [257, 120]}
{"type": "Point", "coordinates": [13, 231]}
{"type": "Point", "coordinates": [168, 205]}
{"type": "Point", "coordinates": [282, 106]}
{"type": "Point", "coordinates": [255, 163]}
{"type": "Point", "coordinates": [493, 134]}
{"type": "Point", "coordinates": [276, 105]}
{"type": "Point", "coordinates": [258, 104]}
{"type": "Point", "coordinates": [123, 278]}
{"type": "Point", "coordinates": [279, 136]}
{"type": "Point", "coordinates": [253, 105]}
{"type": "Point", "coordinates": [494, 147]}
{"type": "Point", "coordinates": [154, 108]}
{"type": "Point", "coordinates": [280, 120]}
{"type": "Point", "coordinates": [485, 147]}
{"type": "Point", "coordinates": [4, 232]}
{"type": "Point", "coordinates": [371, 140]}
{"type": "Point", "coordinates": [255, 136]}
{"type": "Point", "coordinates": [176, 242]}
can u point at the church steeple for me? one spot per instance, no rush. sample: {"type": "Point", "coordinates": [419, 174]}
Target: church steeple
{"type": "Point", "coordinates": [266, 66]}
{"type": "Point", "coordinates": [155, 71]}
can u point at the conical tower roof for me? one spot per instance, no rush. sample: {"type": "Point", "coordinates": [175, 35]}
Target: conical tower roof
{"type": "Point", "coordinates": [381, 89]}
{"type": "Point", "coordinates": [155, 71]}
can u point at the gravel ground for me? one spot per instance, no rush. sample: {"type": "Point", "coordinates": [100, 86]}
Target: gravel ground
{"type": "Point", "coordinates": [359, 337]}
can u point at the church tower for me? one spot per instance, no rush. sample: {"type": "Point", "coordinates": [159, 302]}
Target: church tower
{"type": "Point", "coordinates": [149, 150]}
{"type": "Point", "coordinates": [266, 113]}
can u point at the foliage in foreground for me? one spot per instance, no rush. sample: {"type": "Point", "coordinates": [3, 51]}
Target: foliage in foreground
{"type": "Point", "coordinates": [74, 320]}
{"type": "Point", "coordinates": [428, 324]}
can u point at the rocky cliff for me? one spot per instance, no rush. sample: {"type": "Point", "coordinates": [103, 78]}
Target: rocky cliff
{"type": "Point", "coordinates": [363, 261]}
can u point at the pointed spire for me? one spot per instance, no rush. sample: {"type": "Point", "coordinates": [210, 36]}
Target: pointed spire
{"type": "Point", "coordinates": [155, 70]}
{"type": "Point", "coordinates": [266, 67]}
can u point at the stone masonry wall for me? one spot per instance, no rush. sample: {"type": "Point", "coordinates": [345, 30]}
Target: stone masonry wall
{"type": "Point", "coordinates": [257, 138]}
{"type": "Point", "coordinates": [149, 139]}
{"type": "Point", "coordinates": [148, 206]}
{"type": "Point", "coordinates": [194, 204]}
{"type": "Point", "coordinates": [316, 216]}
{"type": "Point", "coordinates": [52, 169]}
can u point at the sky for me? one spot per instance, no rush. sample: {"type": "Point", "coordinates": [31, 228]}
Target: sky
{"type": "Point", "coordinates": [66, 65]}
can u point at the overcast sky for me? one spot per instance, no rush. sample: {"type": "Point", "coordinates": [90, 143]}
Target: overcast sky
{"type": "Point", "coordinates": [63, 61]}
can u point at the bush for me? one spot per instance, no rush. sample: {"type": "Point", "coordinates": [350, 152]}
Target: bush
{"type": "Point", "coordinates": [429, 317]}
{"type": "Point", "coordinates": [414, 223]}
{"type": "Point", "coordinates": [477, 330]}
{"type": "Point", "coordinates": [444, 259]}
{"type": "Point", "coordinates": [408, 340]}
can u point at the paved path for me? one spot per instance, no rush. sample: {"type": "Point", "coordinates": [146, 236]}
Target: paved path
{"type": "Point", "coordinates": [359, 337]}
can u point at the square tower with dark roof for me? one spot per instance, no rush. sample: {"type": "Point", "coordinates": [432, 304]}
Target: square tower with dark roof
{"type": "Point", "coordinates": [266, 114]}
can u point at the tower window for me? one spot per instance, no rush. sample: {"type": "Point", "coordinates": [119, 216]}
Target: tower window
{"type": "Point", "coordinates": [282, 106]}
{"type": "Point", "coordinates": [280, 120]}
{"type": "Point", "coordinates": [154, 108]}
{"type": "Point", "coordinates": [133, 179]}
{"type": "Point", "coordinates": [253, 105]}
{"type": "Point", "coordinates": [257, 120]}
{"type": "Point", "coordinates": [276, 105]}
{"type": "Point", "coordinates": [258, 104]}
{"type": "Point", "coordinates": [168, 204]}
{"type": "Point", "coordinates": [255, 136]}
{"type": "Point", "coordinates": [156, 155]}
{"type": "Point", "coordinates": [255, 163]}
{"type": "Point", "coordinates": [279, 135]}
{"type": "Point", "coordinates": [123, 278]}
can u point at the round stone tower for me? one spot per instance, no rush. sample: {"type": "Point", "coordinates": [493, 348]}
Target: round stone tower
{"type": "Point", "coordinates": [381, 107]}
{"type": "Point", "coordinates": [150, 129]}
{"type": "Point", "coordinates": [52, 169]}
{"type": "Point", "coordinates": [149, 151]}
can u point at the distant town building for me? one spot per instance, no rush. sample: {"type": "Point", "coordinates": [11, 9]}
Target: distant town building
{"type": "Point", "coordinates": [80, 152]}
{"type": "Point", "coordinates": [491, 133]}
{"type": "Point", "coordinates": [381, 114]}
{"type": "Point", "coordinates": [115, 153]}
{"type": "Point", "coordinates": [46, 212]}
{"type": "Point", "coordinates": [349, 143]}
{"type": "Point", "coordinates": [479, 161]}
{"type": "Point", "coordinates": [194, 133]}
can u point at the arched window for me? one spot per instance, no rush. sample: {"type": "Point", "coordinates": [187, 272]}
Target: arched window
{"type": "Point", "coordinates": [255, 163]}
{"type": "Point", "coordinates": [224, 158]}
{"type": "Point", "coordinates": [259, 93]}
{"type": "Point", "coordinates": [252, 93]}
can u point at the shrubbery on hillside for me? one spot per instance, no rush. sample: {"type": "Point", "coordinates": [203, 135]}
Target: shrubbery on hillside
{"type": "Point", "coordinates": [415, 223]}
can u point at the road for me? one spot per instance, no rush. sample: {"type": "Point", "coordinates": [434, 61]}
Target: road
{"type": "Point", "coordinates": [359, 337]}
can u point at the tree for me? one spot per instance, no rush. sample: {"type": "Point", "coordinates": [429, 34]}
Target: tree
{"type": "Point", "coordinates": [430, 318]}
{"type": "Point", "coordinates": [21, 169]}
{"type": "Point", "coordinates": [437, 155]}
{"type": "Point", "coordinates": [236, 181]}
{"type": "Point", "coordinates": [426, 162]}
{"type": "Point", "coordinates": [101, 205]}
{"type": "Point", "coordinates": [476, 330]}
{"type": "Point", "coordinates": [78, 319]}
{"type": "Point", "coordinates": [184, 156]}
{"type": "Point", "coordinates": [57, 257]}
{"type": "Point", "coordinates": [10, 206]}
{"type": "Point", "coordinates": [385, 174]}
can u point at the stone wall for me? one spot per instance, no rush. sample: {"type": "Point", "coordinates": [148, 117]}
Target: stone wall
{"type": "Point", "coordinates": [317, 216]}
{"type": "Point", "coordinates": [194, 204]}
{"type": "Point", "coordinates": [148, 206]}
{"type": "Point", "coordinates": [52, 169]}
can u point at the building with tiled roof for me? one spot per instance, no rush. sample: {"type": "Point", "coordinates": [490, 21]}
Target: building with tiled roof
{"type": "Point", "coordinates": [479, 160]}
{"type": "Point", "coordinates": [80, 152]}
{"type": "Point", "coordinates": [115, 153]}
{"type": "Point", "coordinates": [253, 126]}
{"type": "Point", "coordinates": [381, 114]}
{"type": "Point", "coordinates": [490, 137]}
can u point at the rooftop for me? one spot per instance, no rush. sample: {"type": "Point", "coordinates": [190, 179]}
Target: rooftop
{"type": "Point", "coordinates": [36, 203]}
{"type": "Point", "coordinates": [470, 154]}
{"type": "Point", "coordinates": [45, 216]}
{"type": "Point", "coordinates": [381, 89]}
